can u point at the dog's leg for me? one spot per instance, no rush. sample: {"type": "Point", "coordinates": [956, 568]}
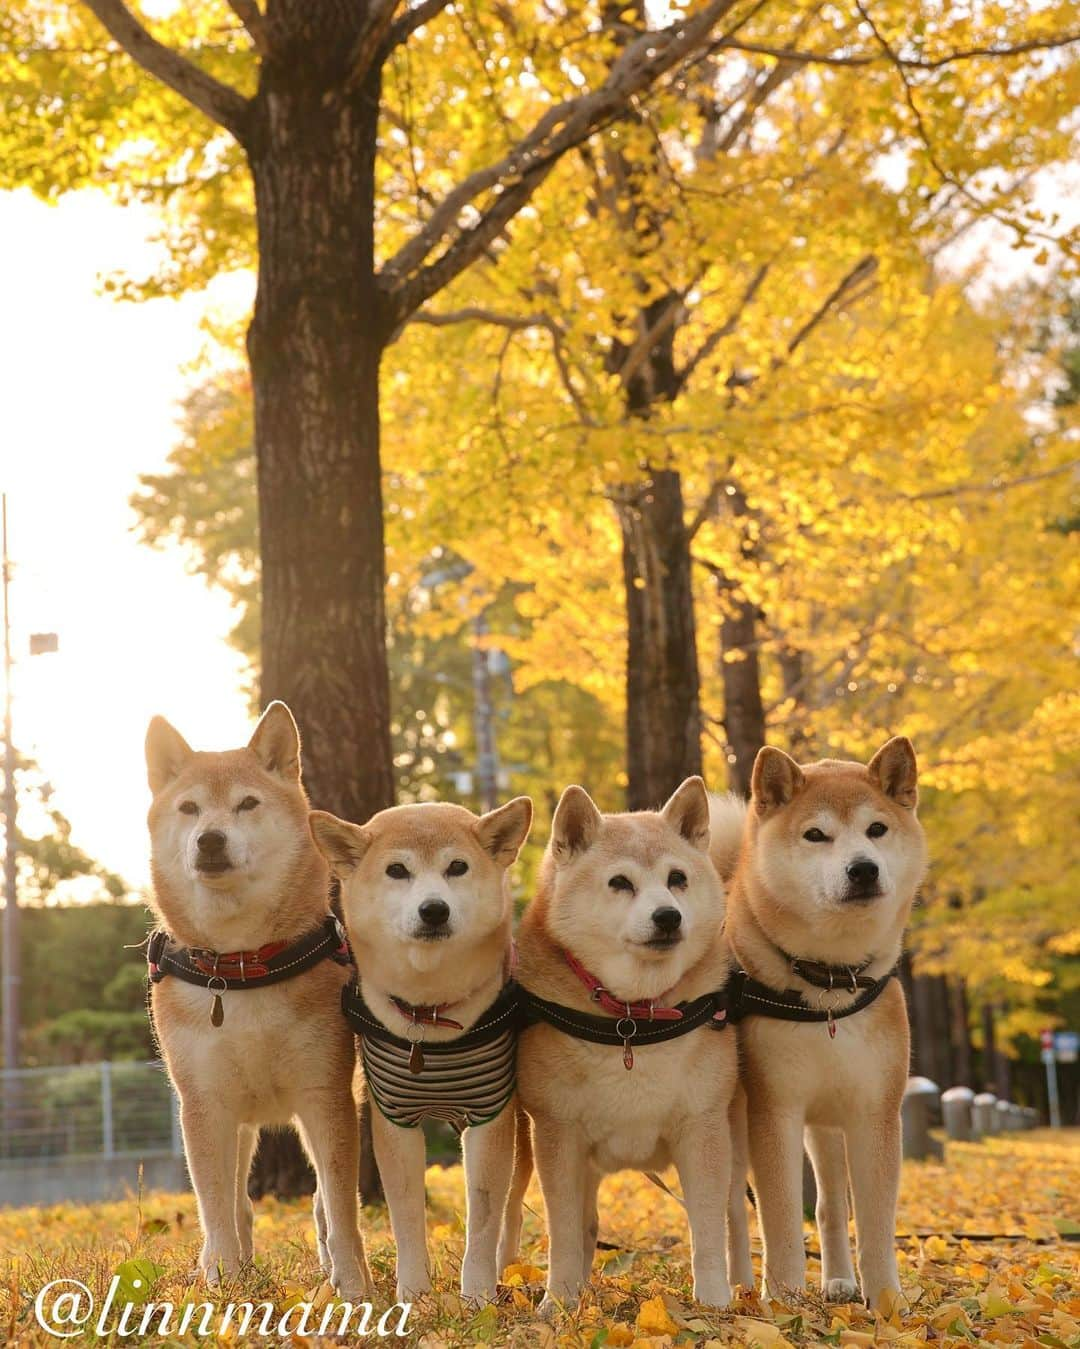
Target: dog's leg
{"type": "Point", "coordinates": [489, 1161]}
{"type": "Point", "coordinates": [211, 1146]}
{"type": "Point", "coordinates": [562, 1166]}
{"type": "Point", "coordinates": [590, 1222]}
{"type": "Point", "coordinates": [245, 1210]}
{"type": "Point", "coordinates": [402, 1156]}
{"type": "Point", "coordinates": [776, 1152]}
{"type": "Point", "coordinates": [702, 1154]}
{"type": "Point", "coordinates": [740, 1266]}
{"type": "Point", "coordinates": [826, 1149]}
{"type": "Point", "coordinates": [510, 1240]}
{"type": "Point", "coordinates": [327, 1125]}
{"type": "Point", "coordinates": [873, 1154]}
{"type": "Point", "coordinates": [318, 1213]}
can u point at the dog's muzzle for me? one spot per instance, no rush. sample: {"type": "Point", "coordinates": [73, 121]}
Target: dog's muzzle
{"type": "Point", "coordinates": [212, 858]}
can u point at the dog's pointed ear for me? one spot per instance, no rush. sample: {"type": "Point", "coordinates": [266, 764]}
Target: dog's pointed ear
{"type": "Point", "coordinates": [575, 825]}
{"type": "Point", "coordinates": [775, 779]}
{"type": "Point", "coordinates": [276, 742]}
{"type": "Point", "coordinates": [501, 832]}
{"type": "Point", "coordinates": [894, 770]}
{"type": "Point", "coordinates": [688, 812]}
{"type": "Point", "coordinates": [166, 753]}
{"type": "Point", "coordinates": [341, 843]}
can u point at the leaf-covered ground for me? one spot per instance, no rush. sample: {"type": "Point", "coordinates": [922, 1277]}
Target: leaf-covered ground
{"type": "Point", "coordinates": [1021, 1287]}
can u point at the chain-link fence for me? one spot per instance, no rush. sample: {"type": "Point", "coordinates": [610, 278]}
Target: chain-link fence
{"type": "Point", "coordinates": [95, 1110]}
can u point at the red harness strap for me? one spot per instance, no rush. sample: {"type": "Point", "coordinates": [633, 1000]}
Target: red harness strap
{"type": "Point", "coordinates": [237, 964]}
{"type": "Point", "coordinates": [639, 1011]}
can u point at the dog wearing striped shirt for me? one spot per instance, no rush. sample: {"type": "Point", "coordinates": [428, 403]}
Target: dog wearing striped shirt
{"type": "Point", "coordinates": [427, 907]}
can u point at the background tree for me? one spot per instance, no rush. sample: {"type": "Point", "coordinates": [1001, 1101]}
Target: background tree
{"type": "Point", "coordinates": [297, 90]}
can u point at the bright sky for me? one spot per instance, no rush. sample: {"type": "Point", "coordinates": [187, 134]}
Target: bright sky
{"type": "Point", "coordinates": [90, 400]}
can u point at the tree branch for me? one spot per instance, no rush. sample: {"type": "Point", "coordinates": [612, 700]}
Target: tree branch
{"type": "Point", "coordinates": [512, 180]}
{"type": "Point", "coordinates": [725, 329]}
{"type": "Point", "coordinates": [513, 323]}
{"type": "Point", "coordinates": [251, 16]}
{"type": "Point", "coordinates": [862, 271]}
{"type": "Point", "coordinates": [807, 58]}
{"type": "Point", "coordinates": [402, 29]}
{"type": "Point", "coordinates": [368, 46]}
{"type": "Point", "coordinates": [995, 485]}
{"type": "Point", "coordinates": [218, 101]}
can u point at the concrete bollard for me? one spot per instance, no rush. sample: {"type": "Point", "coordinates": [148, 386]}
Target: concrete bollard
{"type": "Point", "coordinates": [956, 1108]}
{"type": "Point", "coordinates": [1031, 1117]}
{"type": "Point", "coordinates": [983, 1113]}
{"type": "Point", "coordinates": [921, 1097]}
{"type": "Point", "coordinates": [1002, 1111]}
{"type": "Point", "coordinates": [1017, 1118]}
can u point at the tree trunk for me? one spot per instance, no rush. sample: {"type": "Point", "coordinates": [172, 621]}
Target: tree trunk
{"type": "Point", "coordinates": [740, 673]}
{"type": "Point", "coordinates": [315, 344]}
{"type": "Point", "coordinates": [961, 1037]}
{"type": "Point", "coordinates": [663, 712]}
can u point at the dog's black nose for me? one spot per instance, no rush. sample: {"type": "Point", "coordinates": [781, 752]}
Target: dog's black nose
{"type": "Point", "coordinates": [667, 919]}
{"type": "Point", "coordinates": [211, 841]}
{"type": "Point", "coordinates": [862, 871]}
{"type": "Point", "coordinates": [434, 912]}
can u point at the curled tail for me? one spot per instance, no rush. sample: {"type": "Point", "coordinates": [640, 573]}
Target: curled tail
{"type": "Point", "coordinates": [727, 822]}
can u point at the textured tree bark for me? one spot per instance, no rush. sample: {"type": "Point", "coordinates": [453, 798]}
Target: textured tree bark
{"type": "Point", "coordinates": [315, 344]}
{"type": "Point", "coordinates": [740, 673]}
{"type": "Point", "coordinates": [663, 712]}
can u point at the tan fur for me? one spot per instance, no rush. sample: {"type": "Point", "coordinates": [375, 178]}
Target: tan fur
{"type": "Point", "coordinates": [590, 1115]}
{"type": "Point", "coordinates": [283, 1053]}
{"type": "Point", "coordinates": [843, 1093]}
{"type": "Point", "coordinates": [466, 968]}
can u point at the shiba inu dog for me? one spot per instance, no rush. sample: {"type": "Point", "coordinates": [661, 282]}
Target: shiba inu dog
{"type": "Point", "coordinates": [427, 905]}
{"type": "Point", "coordinates": [823, 871]}
{"type": "Point", "coordinates": [246, 976]}
{"type": "Point", "coordinates": [626, 922]}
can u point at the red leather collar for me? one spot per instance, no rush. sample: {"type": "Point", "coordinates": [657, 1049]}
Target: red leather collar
{"type": "Point", "coordinates": [643, 1010]}
{"type": "Point", "coordinates": [236, 964]}
{"type": "Point", "coordinates": [426, 1014]}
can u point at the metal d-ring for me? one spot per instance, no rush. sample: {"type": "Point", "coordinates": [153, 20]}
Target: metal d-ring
{"type": "Point", "coordinates": [213, 984]}
{"type": "Point", "coordinates": [626, 1034]}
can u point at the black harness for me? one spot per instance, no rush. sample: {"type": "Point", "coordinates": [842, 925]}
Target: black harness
{"type": "Point", "coordinates": [741, 997]}
{"type": "Point", "coordinates": [749, 997]}
{"type": "Point", "coordinates": [221, 973]}
{"type": "Point", "coordinates": [628, 1031]}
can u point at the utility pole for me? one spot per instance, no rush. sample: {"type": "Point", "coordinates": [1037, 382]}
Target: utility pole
{"type": "Point", "coordinates": [487, 753]}
{"type": "Point", "coordinates": [11, 977]}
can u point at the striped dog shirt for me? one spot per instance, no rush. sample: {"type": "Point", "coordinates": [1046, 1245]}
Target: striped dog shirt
{"type": "Point", "coordinates": [465, 1081]}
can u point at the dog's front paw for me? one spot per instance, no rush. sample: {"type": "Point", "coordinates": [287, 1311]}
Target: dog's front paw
{"type": "Point", "coordinates": [841, 1290]}
{"type": "Point", "coordinates": [557, 1301]}
{"type": "Point", "coordinates": [216, 1269]}
{"type": "Point", "coordinates": [712, 1292]}
{"type": "Point", "coordinates": [409, 1290]}
{"type": "Point", "coordinates": [477, 1288]}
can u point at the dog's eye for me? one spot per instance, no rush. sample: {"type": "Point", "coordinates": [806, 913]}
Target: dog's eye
{"type": "Point", "coordinates": [877, 829]}
{"type": "Point", "coordinates": [676, 880]}
{"type": "Point", "coordinates": [248, 803]}
{"type": "Point", "coordinates": [457, 867]}
{"type": "Point", "coordinates": [621, 883]}
{"type": "Point", "coordinates": [188, 808]}
{"type": "Point", "coordinates": [815, 836]}
{"type": "Point", "coordinates": [398, 871]}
